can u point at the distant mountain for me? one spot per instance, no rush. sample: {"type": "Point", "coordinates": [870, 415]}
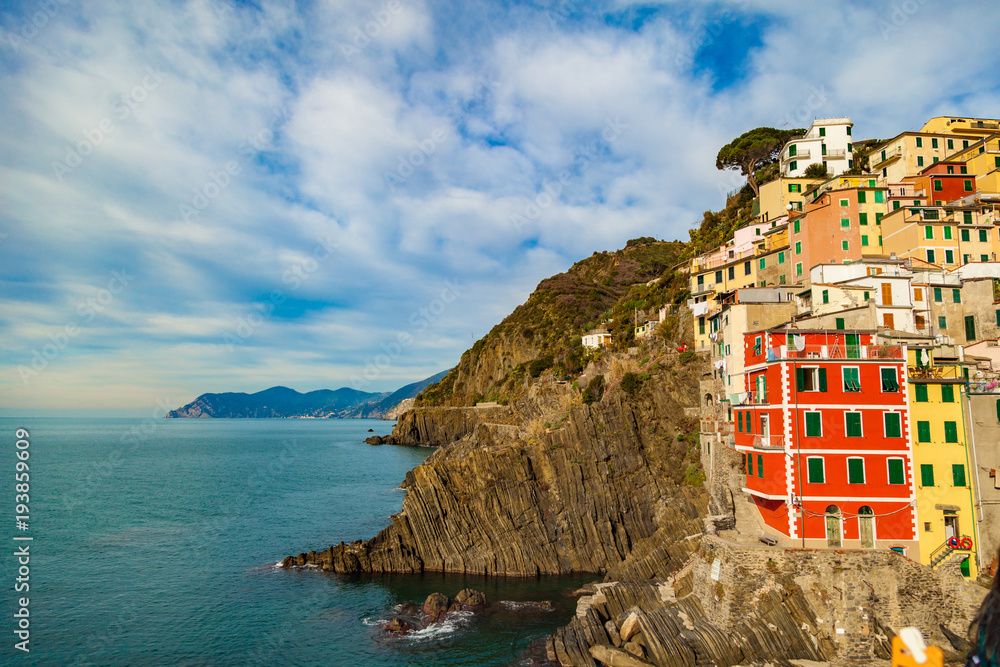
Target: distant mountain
{"type": "Point", "coordinates": [278, 402]}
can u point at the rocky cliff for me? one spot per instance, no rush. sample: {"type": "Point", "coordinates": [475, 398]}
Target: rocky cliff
{"type": "Point", "coordinates": [602, 488]}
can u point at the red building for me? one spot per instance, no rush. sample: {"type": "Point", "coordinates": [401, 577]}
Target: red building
{"type": "Point", "coordinates": [944, 182]}
{"type": "Point", "coordinates": [825, 436]}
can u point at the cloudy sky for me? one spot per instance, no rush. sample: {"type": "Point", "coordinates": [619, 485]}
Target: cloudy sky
{"type": "Point", "coordinates": [225, 196]}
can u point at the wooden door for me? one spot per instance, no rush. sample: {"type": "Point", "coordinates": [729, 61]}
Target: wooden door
{"type": "Point", "coordinates": [886, 294]}
{"type": "Point", "coordinates": [866, 523]}
{"type": "Point", "coordinates": [833, 526]}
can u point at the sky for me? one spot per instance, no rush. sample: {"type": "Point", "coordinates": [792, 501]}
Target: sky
{"type": "Point", "coordinates": [212, 195]}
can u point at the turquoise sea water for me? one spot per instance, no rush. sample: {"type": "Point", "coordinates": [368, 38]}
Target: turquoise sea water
{"type": "Point", "coordinates": [155, 543]}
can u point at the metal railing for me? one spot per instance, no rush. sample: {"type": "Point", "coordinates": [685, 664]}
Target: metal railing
{"type": "Point", "coordinates": [835, 351]}
{"type": "Point", "coordinates": [769, 442]}
{"type": "Point", "coordinates": [799, 155]}
{"type": "Point", "coordinates": [942, 552]}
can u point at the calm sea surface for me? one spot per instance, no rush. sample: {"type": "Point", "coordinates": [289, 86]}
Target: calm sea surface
{"type": "Point", "coordinates": [155, 544]}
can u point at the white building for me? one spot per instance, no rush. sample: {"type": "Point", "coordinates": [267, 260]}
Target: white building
{"type": "Point", "coordinates": [596, 339]}
{"type": "Point", "coordinates": [827, 142]}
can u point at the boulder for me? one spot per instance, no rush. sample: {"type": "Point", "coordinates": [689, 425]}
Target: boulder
{"type": "Point", "coordinates": [613, 633]}
{"type": "Point", "coordinates": [635, 649]}
{"type": "Point", "coordinates": [629, 627]}
{"type": "Point", "coordinates": [615, 657]}
{"type": "Point", "coordinates": [470, 598]}
{"type": "Point", "coordinates": [436, 606]}
{"type": "Point", "coordinates": [398, 626]}
{"type": "Point", "coordinates": [375, 440]}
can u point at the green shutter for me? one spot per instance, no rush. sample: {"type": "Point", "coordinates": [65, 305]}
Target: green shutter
{"type": "Point", "coordinates": [958, 474]}
{"type": "Point", "coordinates": [750, 464]}
{"type": "Point", "coordinates": [956, 295]}
{"type": "Point", "coordinates": [927, 474]}
{"type": "Point", "coordinates": [814, 425]}
{"type": "Point", "coordinates": [923, 431]}
{"type": "Point", "coordinates": [937, 294]}
{"type": "Point", "coordinates": [998, 409]}
{"type": "Point", "coordinates": [739, 421]}
{"type": "Point", "coordinates": [840, 321]}
{"type": "Point", "coordinates": [760, 466]}
{"type": "Point", "coordinates": [822, 379]}
{"type": "Point", "coordinates": [816, 471]}
{"type": "Point", "coordinates": [855, 471]}
{"type": "Point", "coordinates": [896, 474]}
{"type": "Point", "coordinates": [862, 219]}
{"type": "Point", "coordinates": [970, 327]}
{"type": "Point", "coordinates": [921, 391]}
{"type": "Point", "coordinates": [853, 424]}
{"type": "Point", "coordinates": [889, 381]}
{"type": "Point", "coordinates": [892, 425]}
{"type": "Point", "coordinates": [861, 196]}
{"type": "Point", "coordinates": [800, 379]}
{"type": "Point", "coordinates": [947, 393]}
{"type": "Point", "coordinates": [950, 432]}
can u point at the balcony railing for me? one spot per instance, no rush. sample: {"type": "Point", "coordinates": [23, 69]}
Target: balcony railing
{"type": "Point", "coordinates": [748, 398]}
{"type": "Point", "coordinates": [769, 442]}
{"type": "Point", "coordinates": [935, 373]}
{"type": "Point", "coordinates": [783, 352]}
{"type": "Point", "coordinates": [799, 155]}
{"type": "Point", "coordinates": [835, 154]}
{"type": "Point", "coordinates": [890, 153]}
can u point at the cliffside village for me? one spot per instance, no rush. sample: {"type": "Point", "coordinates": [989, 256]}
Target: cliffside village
{"type": "Point", "coordinates": [852, 327]}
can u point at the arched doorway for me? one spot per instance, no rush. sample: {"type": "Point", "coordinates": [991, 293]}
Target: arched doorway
{"type": "Point", "coordinates": [866, 526]}
{"type": "Point", "coordinates": [833, 526]}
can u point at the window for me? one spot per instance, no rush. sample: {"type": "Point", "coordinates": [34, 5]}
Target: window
{"type": "Point", "coordinates": [967, 217]}
{"type": "Point", "coordinates": [781, 257]}
{"type": "Point", "coordinates": [938, 186]}
{"type": "Point", "coordinates": [983, 236]}
{"type": "Point", "coordinates": [822, 131]}
{"type": "Point", "coordinates": [852, 379]}
{"type": "Point", "coordinates": [816, 471]}
{"type": "Point", "coordinates": [929, 232]}
{"type": "Point", "coordinates": [732, 272]}
{"type": "Point", "coordinates": [947, 233]}
{"type": "Point", "coordinates": [862, 219]}
{"type": "Point", "coordinates": [848, 130]}
{"type": "Point", "coordinates": [951, 144]}
{"type": "Point", "coordinates": [950, 432]}
{"type": "Point", "coordinates": [794, 165]}
{"type": "Point", "coordinates": [750, 465]}
{"type": "Point", "coordinates": [739, 421]}
{"type": "Point", "coordinates": [864, 240]}
{"type": "Point", "coordinates": [826, 296]}
{"type": "Point", "coordinates": [747, 268]}
{"type": "Point", "coordinates": [967, 185]}
{"type": "Point", "coordinates": [920, 142]}
{"type": "Point", "coordinates": [840, 322]}
{"type": "Point", "coordinates": [798, 247]}
{"type": "Point", "coordinates": [718, 276]}
{"type": "Point", "coordinates": [923, 431]}
{"type": "Point", "coordinates": [794, 187]}
{"type": "Point", "coordinates": [701, 280]}
{"type": "Point", "coordinates": [937, 295]}
{"type": "Point", "coordinates": [852, 422]}
{"type": "Point", "coordinates": [965, 235]}
{"type": "Point", "coordinates": [810, 379]}
{"type": "Point", "coordinates": [760, 466]}
{"type": "Point", "coordinates": [942, 322]}
{"type": "Point", "coordinates": [958, 474]}
{"type": "Point", "coordinates": [921, 393]}
{"type": "Point", "coordinates": [956, 295]}
{"type": "Point", "coordinates": [861, 196]}
{"type": "Point", "coordinates": [798, 269]}
{"type": "Point", "coordinates": [889, 381]}
{"type": "Point", "coordinates": [792, 150]}
{"type": "Point", "coordinates": [893, 428]}
{"type": "Point", "coordinates": [949, 256]}
{"type": "Point", "coordinates": [855, 471]}
{"type": "Point", "coordinates": [918, 294]}
{"type": "Point", "coordinates": [896, 474]}
{"type": "Point", "coordinates": [879, 197]}
{"type": "Point", "coordinates": [762, 263]}
{"type": "Point", "coordinates": [845, 222]}
{"type": "Point", "coordinates": [926, 474]}
{"type": "Point", "coordinates": [866, 296]}
{"type": "Point", "coordinates": [814, 425]}
{"type": "Point", "coordinates": [963, 170]}
{"type": "Point", "coordinates": [934, 143]}
{"type": "Point", "coordinates": [844, 245]}
{"type": "Point", "coordinates": [930, 256]}
{"type": "Point", "coordinates": [951, 169]}
{"type": "Point", "coordinates": [920, 160]}
{"type": "Point", "coordinates": [845, 202]}
{"type": "Point", "coordinates": [947, 393]}
{"type": "Point", "coordinates": [795, 226]}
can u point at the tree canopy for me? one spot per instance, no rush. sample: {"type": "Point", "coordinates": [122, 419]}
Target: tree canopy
{"type": "Point", "coordinates": [754, 149]}
{"type": "Point", "coordinates": [816, 170]}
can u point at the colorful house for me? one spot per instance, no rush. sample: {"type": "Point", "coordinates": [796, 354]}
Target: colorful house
{"type": "Point", "coordinates": [942, 461]}
{"type": "Point", "coordinates": [826, 142]}
{"type": "Point", "coordinates": [824, 432]}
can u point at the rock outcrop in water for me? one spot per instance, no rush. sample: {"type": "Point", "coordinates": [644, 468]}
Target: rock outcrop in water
{"type": "Point", "coordinates": [600, 493]}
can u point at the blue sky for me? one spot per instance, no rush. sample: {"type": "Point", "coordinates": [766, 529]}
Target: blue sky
{"type": "Point", "coordinates": [219, 196]}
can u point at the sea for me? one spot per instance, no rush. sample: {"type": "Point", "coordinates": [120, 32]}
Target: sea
{"type": "Point", "coordinates": [157, 542]}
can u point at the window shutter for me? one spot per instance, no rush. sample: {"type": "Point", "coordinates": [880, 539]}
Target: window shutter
{"type": "Point", "coordinates": [822, 379]}
{"type": "Point", "coordinates": [816, 471]}
{"type": "Point", "coordinates": [950, 432]}
{"type": "Point", "coordinates": [921, 390]}
{"type": "Point", "coordinates": [854, 424]}
{"type": "Point", "coordinates": [800, 380]}
{"type": "Point", "coordinates": [947, 393]}
{"type": "Point", "coordinates": [927, 474]}
{"type": "Point", "coordinates": [896, 475]}
{"type": "Point", "coordinates": [958, 474]}
{"type": "Point", "coordinates": [923, 431]}
{"type": "Point", "coordinates": [760, 466]}
{"type": "Point", "coordinates": [750, 464]}
{"type": "Point", "coordinates": [855, 471]}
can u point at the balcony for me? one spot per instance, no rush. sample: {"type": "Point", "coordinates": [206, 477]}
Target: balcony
{"type": "Point", "coordinates": [890, 154]}
{"type": "Point", "coordinates": [935, 373]}
{"type": "Point", "coordinates": [799, 155]}
{"type": "Point", "coordinates": [773, 443]}
{"type": "Point", "coordinates": [748, 398]}
{"type": "Point", "coordinates": [836, 154]}
{"type": "Point", "coordinates": [836, 351]}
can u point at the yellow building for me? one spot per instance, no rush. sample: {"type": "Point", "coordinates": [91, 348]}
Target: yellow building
{"type": "Point", "coordinates": [943, 471]}
{"type": "Point", "coordinates": [782, 195]}
{"type": "Point", "coordinates": [968, 127]}
{"type": "Point", "coordinates": [982, 159]}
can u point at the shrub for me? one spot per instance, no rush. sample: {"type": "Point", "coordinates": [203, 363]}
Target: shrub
{"type": "Point", "coordinates": [594, 390]}
{"type": "Point", "coordinates": [538, 366]}
{"type": "Point", "coordinates": [816, 170]}
{"type": "Point", "coordinates": [687, 356]}
{"type": "Point", "coordinates": [694, 475]}
{"type": "Point", "coordinates": [631, 383]}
